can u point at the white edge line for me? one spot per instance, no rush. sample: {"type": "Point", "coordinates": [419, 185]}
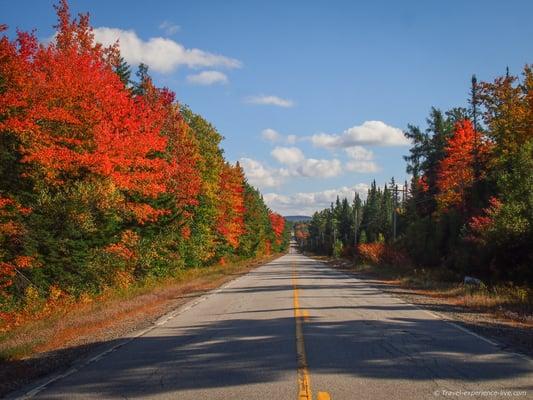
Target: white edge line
{"type": "Point", "coordinates": [160, 322]}
{"type": "Point", "coordinates": [454, 324]}
{"type": "Point", "coordinates": [442, 318]}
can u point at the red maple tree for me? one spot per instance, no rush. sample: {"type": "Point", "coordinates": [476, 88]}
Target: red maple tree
{"type": "Point", "coordinates": [231, 204]}
{"type": "Point", "coordinates": [74, 117]}
{"type": "Point", "coordinates": [278, 225]}
{"type": "Point", "coordinates": [456, 171]}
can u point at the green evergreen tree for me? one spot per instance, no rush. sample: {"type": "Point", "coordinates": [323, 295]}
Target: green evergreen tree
{"type": "Point", "coordinates": [123, 70]}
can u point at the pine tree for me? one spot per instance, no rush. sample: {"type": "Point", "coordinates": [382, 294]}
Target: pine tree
{"type": "Point", "coordinates": [123, 70]}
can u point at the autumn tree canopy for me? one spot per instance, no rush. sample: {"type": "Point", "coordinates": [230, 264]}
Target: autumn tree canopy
{"type": "Point", "coordinates": [456, 170]}
{"type": "Point", "coordinates": [104, 179]}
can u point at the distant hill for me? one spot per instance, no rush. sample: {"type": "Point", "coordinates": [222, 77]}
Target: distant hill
{"type": "Point", "coordinates": [297, 218]}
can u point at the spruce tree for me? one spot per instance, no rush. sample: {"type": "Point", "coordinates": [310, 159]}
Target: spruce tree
{"type": "Point", "coordinates": [123, 70]}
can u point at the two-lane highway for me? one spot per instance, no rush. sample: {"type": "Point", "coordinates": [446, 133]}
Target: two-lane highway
{"type": "Point", "coordinates": [297, 329]}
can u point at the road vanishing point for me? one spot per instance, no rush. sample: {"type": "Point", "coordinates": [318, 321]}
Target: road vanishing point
{"type": "Point", "coordinates": [297, 329]}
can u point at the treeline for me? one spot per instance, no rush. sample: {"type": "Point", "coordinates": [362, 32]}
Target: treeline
{"type": "Point", "coordinates": [469, 205]}
{"type": "Point", "coordinates": [106, 180]}
{"type": "Point", "coordinates": [337, 229]}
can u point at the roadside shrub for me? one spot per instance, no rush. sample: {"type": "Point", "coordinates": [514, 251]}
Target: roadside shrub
{"type": "Point", "coordinates": [382, 253]}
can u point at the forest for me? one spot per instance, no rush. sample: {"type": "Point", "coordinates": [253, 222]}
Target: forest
{"type": "Point", "coordinates": [106, 180]}
{"type": "Point", "coordinates": [468, 207]}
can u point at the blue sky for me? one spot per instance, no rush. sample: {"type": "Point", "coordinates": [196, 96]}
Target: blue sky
{"type": "Point", "coordinates": [311, 96]}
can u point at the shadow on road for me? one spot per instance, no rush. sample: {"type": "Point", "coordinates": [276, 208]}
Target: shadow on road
{"type": "Point", "coordinates": [245, 351]}
{"type": "Point", "coordinates": [256, 345]}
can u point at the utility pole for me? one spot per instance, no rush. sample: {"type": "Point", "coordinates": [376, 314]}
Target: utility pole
{"type": "Point", "coordinates": [355, 227]}
{"type": "Point", "coordinates": [394, 207]}
{"type": "Point", "coordinates": [474, 102]}
{"type": "Point", "coordinates": [394, 223]}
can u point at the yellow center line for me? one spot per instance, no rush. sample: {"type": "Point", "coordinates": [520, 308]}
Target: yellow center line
{"type": "Point", "coordinates": [304, 381]}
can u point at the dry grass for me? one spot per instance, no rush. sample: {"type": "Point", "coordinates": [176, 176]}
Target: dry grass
{"type": "Point", "coordinates": [511, 302]}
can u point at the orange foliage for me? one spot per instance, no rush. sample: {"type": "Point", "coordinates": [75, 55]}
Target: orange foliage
{"type": "Point", "coordinates": [456, 170]}
{"type": "Point", "coordinates": [73, 115]}
{"type": "Point", "coordinates": [301, 235]}
{"type": "Point", "coordinates": [423, 184]}
{"type": "Point", "coordinates": [126, 248]}
{"type": "Point", "coordinates": [181, 175]}
{"type": "Point", "coordinates": [381, 253]}
{"type": "Point", "coordinates": [186, 232]}
{"type": "Point", "coordinates": [230, 222]}
{"type": "Point", "coordinates": [278, 225]}
{"type": "Point", "coordinates": [78, 126]}
{"type": "Point", "coordinates": [36, 308]}
{"type": "Point", "coordinates": [11, 235]}
{"type": "Point", "coordinates": [268, 248]}
{"type": "Point", "coordinates": [482, 224]}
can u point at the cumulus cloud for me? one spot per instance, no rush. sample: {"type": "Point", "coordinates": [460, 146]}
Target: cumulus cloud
{"type": "Point", "coordinates": [359, 153]}
{"type": "Point", "coordinates": [161, 54]}
{"type": "Point", "coordinates": [361, 167]}
{"type": "Point", "coordinates": [361, 160]}
{"type": "Point", "coordinates": [269, 100]}
{"type": "Point", "coordinates": [207, 78]}
{"type": "Point", "coordinates": [369, 133]}
{"type": "Point", "coordinates": [306, 203]}
{"type": "Point", "coordinates": [274, 136]}
{"type": "Point", "coordinates": [262, 176]}
{"type": "Point", "coordinates": [295, 165]}
{"type": "Point", "coordinates": [298, 165]}
{"type": "Point", "coordinates": [270, 135]}
{"type": "Point", "coordinates": [314, 168]}
{"type": "Point", "coordinates": [291, 139]}
{"type": "Point", "coordinates": [288, 155]}
{"type": "Point", "coordinates": [169, 28]}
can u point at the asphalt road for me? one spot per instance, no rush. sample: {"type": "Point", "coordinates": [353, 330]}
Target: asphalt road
{"type": "Point", "coordinates": [296, 329]}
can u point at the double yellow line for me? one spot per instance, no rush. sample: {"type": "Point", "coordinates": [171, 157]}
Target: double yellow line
{"type": "Point", "coordinates": [304, 381]}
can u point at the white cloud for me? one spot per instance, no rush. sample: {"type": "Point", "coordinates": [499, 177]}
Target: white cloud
{"type": "Point", "coordinates": [369, 133]}
{"type": "Point", "coordinates": [269, 100]}
{"type": "Point", "coordinates": [291, 139]}
{"type": "Point", "coordinates": [362, 167]}
{"type": "Point", "coordinates": [271, 135]}
{"type": "Point", "coordinates": [207, 78]}
{"type": "Point", "coordinates": [160, 54]}
{"type": "Point", "coordinates": [262, 176]}
{"type": "Point", "coordinates": [313, 168]}
{"type": "Point", "coordinates": [274, 136]}
{"type": "Point", "coordinates": [362, 160]}
{"type": "Point", "coordinates": [298, 165]}
{"type": "Point", "coordinates": [169, 28]}
{"type": "Point", "coordinates": [325, 140]}
{"type": "Point", "coordinates": [306, 203]}
{"type": "Point", "coordinates": [359, 153]}
{"type": "Point", "coordinates": [288, 155]}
